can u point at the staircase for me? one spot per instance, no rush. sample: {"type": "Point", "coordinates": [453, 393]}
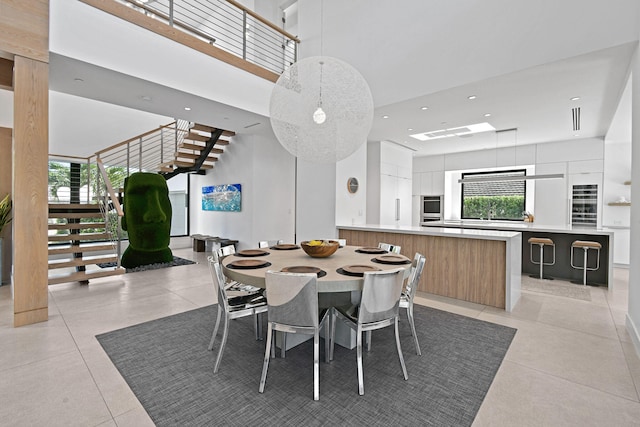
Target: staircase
{"type": "Point", "coordinates": [76, 243]}
{"type": "Point", "coordinates": [199, 150]}
{"type": "Point", "coordinates": [72, 248]}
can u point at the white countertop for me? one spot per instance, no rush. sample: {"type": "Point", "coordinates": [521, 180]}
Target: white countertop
{"type": "Point", "coordinates": [516, 226]}
{"type": "Point", "coordinates": [489, 234]}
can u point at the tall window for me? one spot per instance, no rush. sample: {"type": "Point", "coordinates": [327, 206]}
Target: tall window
{"type": "Point", "coordinates": [502, 198]}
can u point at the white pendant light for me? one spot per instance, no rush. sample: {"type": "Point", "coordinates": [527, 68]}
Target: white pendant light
{"type": "Point", "coordinates": [321, 109]}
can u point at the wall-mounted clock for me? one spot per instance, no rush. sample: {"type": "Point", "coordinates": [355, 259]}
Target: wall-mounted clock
{"type": "Point", "coordinates": [352, 185]}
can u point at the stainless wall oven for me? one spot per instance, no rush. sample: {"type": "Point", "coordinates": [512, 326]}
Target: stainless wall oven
{"type": "Point", "coordinates": [432, 208]}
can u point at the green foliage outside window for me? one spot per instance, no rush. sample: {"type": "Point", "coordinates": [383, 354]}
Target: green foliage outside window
{"type": "Point", "coordinates": [60, 176]}
{"type": "Point", "coordinates": [494, 207]}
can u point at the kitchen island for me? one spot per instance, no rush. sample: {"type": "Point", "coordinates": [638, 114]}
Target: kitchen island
{"type": "Point", "coordinates": [481, 266]}
{"type": "Point", "coordinates": [562, 237]}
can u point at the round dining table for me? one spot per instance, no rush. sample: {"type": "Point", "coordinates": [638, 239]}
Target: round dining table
{"type": "Point", "coordinates": [335, 289]}
{"type": "Point", "coordinates": [332, 282]}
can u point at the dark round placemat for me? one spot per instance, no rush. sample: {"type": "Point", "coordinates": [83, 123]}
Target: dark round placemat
{"type": "Point", "coordinates": [390, 261]}
{"type": "Point", "coordinates": [240, 265]}
{"type": "Point", "coordinates": [353, 270]}
{"type": "Point", "coordinates": [285, 247]}
{"type": "Point", "coordinates": [252, 253]}
{"type": "Point", "coordinates": [371, 251]}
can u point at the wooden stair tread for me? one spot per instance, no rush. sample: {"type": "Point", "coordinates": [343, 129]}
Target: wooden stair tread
{"type": "Point", "coordinates": [197, 137]}
{"type": "Point", "coordinates": [180, 154]}
{"type": "Point", "coordinates": [77, 226]}
{"type": "Point", "coordinates": [75, 215]}
{"type": "Point", "coordinates": [188, 146]}
{"type": "Point", "coordinates": [222, 142]}
{"type": "Point", "coordinates": [211, 129]}
{"type": "Point", "coordinates": [79, 276]}
{"type": "Point", "coordinates": [76, 262]}
{"type": "Point", "coordinates": [75, 206]}
{"type": "Point", "coordinates": [185, 164]}
{"type": "Point", "coordinates": [85, 247]}
{"type": "Point", "coordinates": [202, 128]}
{"type": "Point", "coordinates": [81, 236]}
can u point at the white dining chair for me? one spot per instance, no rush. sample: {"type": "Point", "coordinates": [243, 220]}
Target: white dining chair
{"type": "Point", "coordinates": [341, 242]}
{"type": "Point", "coordinates": [292, 299]}
{"type": "Point", "coordinates": [409, 292]}
{"type": "Point", "coordinates": [248, 305]}
{"type": "Point", "coordinates": [390, 248]}
{"type": "Point", "coordinates": [269, 243]}
{"type": "Point", "coordinates": [378, 309]}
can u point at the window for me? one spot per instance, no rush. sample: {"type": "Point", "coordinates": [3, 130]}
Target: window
{"type": "Point", "coordinates": [502, 199]}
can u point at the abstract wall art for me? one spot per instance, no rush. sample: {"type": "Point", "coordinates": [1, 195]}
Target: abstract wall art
{"type": "Point", "coordinates": [225, 197]}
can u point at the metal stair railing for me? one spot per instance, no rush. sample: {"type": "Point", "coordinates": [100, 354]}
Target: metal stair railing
{"type": "Point", "coordinates": [145, 152]}
{"type": "Point", "coordinates": [228, 25]}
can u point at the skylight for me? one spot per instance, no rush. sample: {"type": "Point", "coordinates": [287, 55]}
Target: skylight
{"type": "Point", "coordinates": [457, 131]}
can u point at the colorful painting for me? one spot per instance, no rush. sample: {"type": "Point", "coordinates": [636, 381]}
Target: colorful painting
{"type": "Point", "coordinates": [225, 197]}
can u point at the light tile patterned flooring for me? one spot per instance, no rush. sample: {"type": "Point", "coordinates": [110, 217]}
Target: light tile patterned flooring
{"type": "Point", "coordinates": [570, 364]}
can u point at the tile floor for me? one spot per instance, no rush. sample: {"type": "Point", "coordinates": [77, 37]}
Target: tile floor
{"type": "Point", "coordinates": [571, 361]}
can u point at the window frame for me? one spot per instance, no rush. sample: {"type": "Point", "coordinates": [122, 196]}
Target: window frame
{"type": "Point", "coordinates": [493, 172]}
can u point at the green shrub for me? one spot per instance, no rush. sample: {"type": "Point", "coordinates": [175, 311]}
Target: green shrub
{"type": "Point", "coordinates": [496, 207]}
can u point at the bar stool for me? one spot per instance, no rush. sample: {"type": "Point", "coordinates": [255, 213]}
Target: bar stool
{"type": "Point", "coordinates": [586, 245]}
{"type": "Point", "coordinates": [542, 242]}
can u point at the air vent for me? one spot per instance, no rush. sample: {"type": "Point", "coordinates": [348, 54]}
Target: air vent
{"type": "Point", "coordinates": [575, 113]}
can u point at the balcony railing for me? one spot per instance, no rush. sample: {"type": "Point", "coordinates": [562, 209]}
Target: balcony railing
{"type": "Point", "coordinates": [226, 25]}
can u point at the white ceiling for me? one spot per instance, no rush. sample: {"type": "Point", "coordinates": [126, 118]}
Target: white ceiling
{"type": "Point", "coordinates": [523, 68]}
{"type": "Point", "coordinates": [536, 101]}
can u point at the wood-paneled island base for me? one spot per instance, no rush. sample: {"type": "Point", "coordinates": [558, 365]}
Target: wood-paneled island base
{"type": "Point", "coordinates": [480, 266]}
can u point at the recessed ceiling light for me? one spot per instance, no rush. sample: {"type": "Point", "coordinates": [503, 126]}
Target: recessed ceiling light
{"type": "Point", "coordinates": [424, 108]}
{"type": "Point", "coordinates": [575, 98]}
{"type": "Point", "coordinates": [487, 114]}
{"type": "Point", "coordinates": [471, 97]}
{"type": "Point", "coordinates": [78, 80]}
{"type": "Point", "coordinates": [576, 134]}
{"type": "Point", "coordinates": [146, 98]}
{"type": "Point", "coordinates": [385, 117]}
{"type": "Point", "coordinates": [410, 129]}
{"type": "Point", "coordinates": [187, 108]}
{"type": "Point", "coordinates": [443, 123]}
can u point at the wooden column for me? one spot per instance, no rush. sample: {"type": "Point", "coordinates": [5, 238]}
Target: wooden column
{"type": "Point", "coordinates": [24, 37]}
{"type": "Point", "coordinates": [5, 188]}
{"type": "Point", "coordinates": [31, 146]}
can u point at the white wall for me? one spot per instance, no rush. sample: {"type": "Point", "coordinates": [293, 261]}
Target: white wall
{"type": "Point", "coordinates": [351, 207]}
{"type": "Point", "coordinates": [617, 172]}
{"type": "Point", "coordinates": [266, 172]}
{"type": "Point", "coordinates": [315, 201]}
{"type": "Point", "coordinates": [274, 195]}
{"type": "Point", "coordinates": [633, 314]}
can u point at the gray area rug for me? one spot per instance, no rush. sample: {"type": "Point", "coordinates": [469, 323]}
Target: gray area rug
{"type": "Point", "coordinates": [556, 288]}
{"type": "Point", "coordinates": [176, 261]}
{"type": "Point", "coordinates": [168, 367]}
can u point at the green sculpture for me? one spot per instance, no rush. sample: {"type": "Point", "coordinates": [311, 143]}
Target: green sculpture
{"type": "Point", "coordinates": [147, 219]}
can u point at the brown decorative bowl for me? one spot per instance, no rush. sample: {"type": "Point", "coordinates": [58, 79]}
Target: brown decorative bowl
{"type": "Point", "coordinates": [327, 248]}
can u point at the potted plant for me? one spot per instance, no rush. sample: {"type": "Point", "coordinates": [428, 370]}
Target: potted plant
{"type": "Point", "coordinates": [5, 218]}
